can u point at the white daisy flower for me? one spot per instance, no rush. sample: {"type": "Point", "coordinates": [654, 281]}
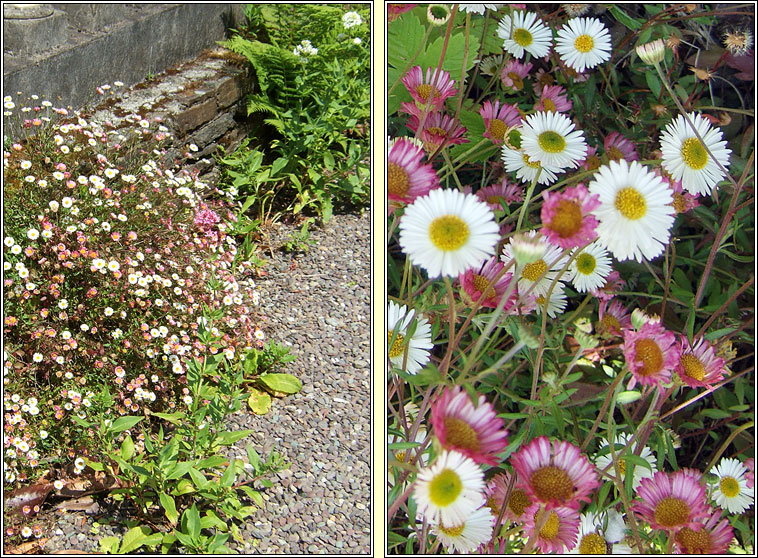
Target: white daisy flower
{"type": "Point", "coordinates": [619, 442]}
{"type": "Point", "coordinates": [448, 232]}
{"type": "Point", "coordinates": [542, 271]}
{"type": "Point", "coordinates": [556, 304]}
{"type": "Point", "coordinates": [583, 42]}
{"type": "Point", "coordinates": [597, 531]}
{"type": "Point", "coordinates": [526, 169]}
{"type": "Point", "coordinates": [450, 490]}
{"type": "Point", "coordinates": [731, 492]}
{"type": "Point", "coordinates": [479, 8]}
{"type": "Point", "coordinates": [589, 269]}
{"type": "Point", "coordinates": [466, 537]}
{"type": "Point", "coordinates": [685, 158]}
{"type": "Point", "coordinates": [635, 210]}
{"type": "Point", "coordinates": [550, 138]}
{"type": "Point", "coordinates": [32, 234]}
{"type": "Point", "coordinates": [523, 32]}
{"type": "Point", "coordinates": [417, 347]}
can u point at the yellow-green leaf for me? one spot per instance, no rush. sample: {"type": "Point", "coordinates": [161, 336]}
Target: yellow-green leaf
{"type": "Point", "coordinates": [259, 402]}
{"type": "Point", "coordinates": [283, 383]}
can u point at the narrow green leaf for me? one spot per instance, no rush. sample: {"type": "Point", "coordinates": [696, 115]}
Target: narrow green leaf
{"type": "Point", "coordinates": [124, 423]}
{"type": "Point", "coordinates": [227, 479]}
{"type": "Point", "coordinates": [169, 507]}
{"type": "Point", "coordinates": [133, 539]}
{"type": "Point", "coordinates": [127, 448]}
{"type": "Point", "coordinates": [193, 522]}
{"type": "Point", "coordinates": [622, 17]}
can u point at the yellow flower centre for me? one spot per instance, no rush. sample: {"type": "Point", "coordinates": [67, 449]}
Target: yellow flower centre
{"type": "Point", "coordinates": [398, 348]}
{"type": "Point", "coordinates": [649, 353]}
{"type": "Point", "coordinates": [436, 131]}
{"type": "Point", "coordinates": [610, 323]}
{"type": "Point", "coordinates": [585, 264]}
{"type": "Point", "coordinates": [533, 271]}
{"type": "Point", "coordinates": [567, 220]}
{"type": "Point", "coordinates": [445, 488]}
{"type": "Point", "coordinates": [551, 142]}
{"type": "Point", "coordinates": [400, 456]}
{"type": "Point", "coordinates": [615, 154]}
{"type": "Point", "coordinates": [630, 203]}
{"type": "Point", "coordinates": [584, 43]}
{"type": "Point", "coordinates": [452, 531]}
{"type": "Point", "coordinates": [671, 512]}
{"type": "Point", "coordinates": [518, 82]}
{"type": "Point", "coordinates": [622, 466]}
{"type": "Point", "coordinates": [522, 37]}
{"type": "Point", "coordinates": [552, 483]}
{"type": "Point", "coordinates": [550, 530]}
{"type": "Point", "coordinates": [679, 203]}
{"type": "Point", "coordinates": [693, 367]}
{"type": "Point", "coordinates": [459, 433]}
{"type": "Point", "coordinates": [494, 199]}
{"type": "Point", "coordinates": [493, 504]}
{"type": "Point", "coordinates": [694, 542]}
{"type": "Point", "coordinates": [483, 285]}
{"type": "Point", "coordinates": [425, 90]}
{"type": "Point", "coordinates": [549, 105]}
{"type": "Point", "coordinates": [529, 163]}
{"type": "Point", "coordinates": [592, 544]}
{"type": "Point", "coordinates": [448, 233]}
{"type": "Point", "coordinates": [497, 129]}
{"type": "Point", "coordinates": [694, 154]}
{"type": "Point", "coordinates": [398, 181]}
{"type": "Point", "coordinates": [729, 487]}
{"type": "Point", "coordinates": [593, 162]}
{"type": "Point", "coordinates": [519, 501]}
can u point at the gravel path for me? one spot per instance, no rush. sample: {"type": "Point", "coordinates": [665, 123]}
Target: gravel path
{"type": "Point", "coordinates": [318, 303]}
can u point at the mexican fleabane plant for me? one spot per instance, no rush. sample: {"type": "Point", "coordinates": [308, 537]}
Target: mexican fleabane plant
{"type": "Point", "coordinates": [568, 335]}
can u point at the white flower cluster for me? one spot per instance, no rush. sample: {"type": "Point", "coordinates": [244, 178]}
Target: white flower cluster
{"type": "Point", "coordinates": [305, 49]}
{"type": "Point", "coordinates": [351, 19]}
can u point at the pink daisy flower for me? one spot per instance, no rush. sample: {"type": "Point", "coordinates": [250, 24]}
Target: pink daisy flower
{"type": "Point", "coordinates": [713, 536]}
{"type": "Point", "coordinates": [613, 318]}
{"type": "Point", "coordinates": [407, 177]}
{"type": "Point", "coordinates": [556, 474]}
{"type": "Point", "coordinates": [651, 354]}
{"type": "Point", "coordinates": [439, 130]}
{"type": "Point", "coordinates": [567, 218]}
{"type": "Point", "coordinates": [613, 285]}
{"type": "Point", "coordinates": [618, 147]}
{"type": "Point", "coordinates": [591, 161]}
{"type": "Point", "coordinates": [476, 432]}
{"type": "Point", "coordinates": [206, 218]}
{"type": "Point", "coordinates": [558, 533]}
{"type": "Point", "coordinates": [395, 10]}
{"type": "Point", "coordinates": [513, 74]}
{"type": "Point", "coordinates": [494, 194]}
{"type": "Point", "coordinates": [698, 364]}
{"type": "Point", "coordinates": [671, 502]}
{"type": "Point", "coordinates": [553, 98]}
{"type": "Point", "coordinates": [482, 284]}
{"type": "Point", "coordinates": [518, 501]}
{"type": "Point", "coordinates": [750, 474]}
{"type": "Point", "coordinates": [683, 200]}
{"type": "Point", "coordinates": [497, 120]}
{"type": "Point", "coordinates": [434, 85]}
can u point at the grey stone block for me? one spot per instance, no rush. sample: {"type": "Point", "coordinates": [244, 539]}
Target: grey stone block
{"type": "Point", "coordinates": [35, 33]}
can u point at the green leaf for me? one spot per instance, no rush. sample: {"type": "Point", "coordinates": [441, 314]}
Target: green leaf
{"type": "Point", "coordinates": [405, 36]}
{"type": "Point", "coordinates": [109, 545]}
{"type": "Point", "coordinates": [135, 538]}
{"type": "Point", "coordinates": [212, 462]}
{"type": "Point", "coordinates": [124, 423]}
{"type": "Point", "coordinates": [191, 522]}
{"type": "Point", "coordinates": [278, 165]}
{"type": "Point", "coordinates": [127, 448]}
{"type": "Point", "coordinates": [259, 402]}
{"type": "Point", "coordinates": [653, 82]}
{"type": "Point", "coordinates": [254, 495]}
{"type": "Point", "coordinates": [227, 479]}
{"type": "Point", "coordinates": [198, 478]}
{"type": "Point", "coordinates": [453, 61]}
{"type": "Point", "coordinates": [621, 16]}
{"type": "Point", "coordinates": [283, 383]}
{"type": "Point", "coordinates": [183, 487]}
{"type": "Point", "coordinates": [626, 397]}
{"type": "Point", "coordinates": [228, 438]}
{"type": "Point", "coordinates": [173, 418]}
{"type": "Point", "coordinates": [253, 458]}
{"type": "Point", "coordinates": [715, 413]}
{"type": "Point", "coordinates": [212, 520]}
{"type": "Point", "coordinates": [169, 507]}
{"type": "Point", "coordinates": [179, 470]}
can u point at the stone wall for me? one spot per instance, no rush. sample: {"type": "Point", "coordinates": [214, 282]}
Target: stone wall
{"type": "Point", "coordinates": [201, 102]}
